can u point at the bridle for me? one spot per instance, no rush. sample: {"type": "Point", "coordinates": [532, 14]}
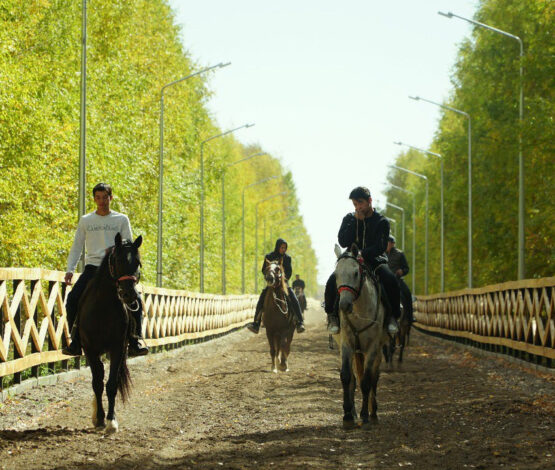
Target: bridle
{"type": "Point", "coordinates": [345, 287]}
{"type": "Point", "coordinates": [134, 306]}
{"type": "Point", "coordinates": [281, 304]}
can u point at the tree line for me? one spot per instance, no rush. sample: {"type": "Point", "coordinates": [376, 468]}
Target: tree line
{"type": "Point", "coordinates": [485, 84]}
{"type": "Point", "coordinates": [134, 49]}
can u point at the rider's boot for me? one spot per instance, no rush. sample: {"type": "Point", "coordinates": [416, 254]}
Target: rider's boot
{"type": "Point", "coordinates": [392, 326]}
{"type": "Point", "coordinates": [333, 317]}
{"type": "Point", "coordinates": [74, 348]}
{"type": "Point", "coordinates": [294, 304]}
{"type": "Point", "coordinates": [135, 348]}
{"type": "Point", "coordinates": [255, 325]}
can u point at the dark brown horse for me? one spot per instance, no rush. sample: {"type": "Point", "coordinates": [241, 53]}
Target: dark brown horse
{"type": "Point", "coordinates": [104, 322]}
{"type": "Point", "coordinates": [277, 316]}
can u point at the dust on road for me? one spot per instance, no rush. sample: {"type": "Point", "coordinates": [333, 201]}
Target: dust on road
{"type": "Point", "coordinates": [218, 405]}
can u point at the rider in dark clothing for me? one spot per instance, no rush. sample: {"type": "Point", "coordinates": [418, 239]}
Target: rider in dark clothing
{"type": "Point", "coordinates": [298, 282]}
{"type": "Point", "coordinates": [277, 255]}
{"type": "Point", "coordinates": [370, 231]}
{"type": "Point", "coordinates": [398, 264]}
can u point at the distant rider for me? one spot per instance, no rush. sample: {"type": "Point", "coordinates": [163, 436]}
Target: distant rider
{"type": "Point", "coordinates": [279, 254]}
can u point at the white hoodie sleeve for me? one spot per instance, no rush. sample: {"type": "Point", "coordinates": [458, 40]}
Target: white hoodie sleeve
{"type": "Point", "coordinates": [76, 248]}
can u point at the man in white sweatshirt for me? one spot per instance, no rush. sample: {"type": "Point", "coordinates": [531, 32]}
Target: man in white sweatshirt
{"type": "Point", "coordinates": [96, 232]}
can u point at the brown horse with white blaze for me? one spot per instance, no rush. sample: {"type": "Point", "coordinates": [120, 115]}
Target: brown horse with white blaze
{"type": "Point", "coordinates": [277, 316]}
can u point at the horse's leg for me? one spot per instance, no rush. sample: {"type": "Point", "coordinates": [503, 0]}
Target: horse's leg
{"type": "Point", "coordinates": [270, 337]}
{"type": "Point", "coordinates": [374, 376]}
{"type": "Point", "coordinates": [116, 358]}
{"type": "Point", "coordinates": [402, 336]}
{"type": "Point", "coordinates": [97, 371]}
{"type": "Point", "coordinates": [284, 348]}
{"type": "Point", "coordinates": [349, 383]}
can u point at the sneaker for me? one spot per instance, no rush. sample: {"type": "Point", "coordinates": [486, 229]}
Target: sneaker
{"type": "Point", "coordinates": [392, 327]}
{"type": "Point", "coordinates": [333, 325]}
{"type": "Point", "coordinates": [300, 328]}
{"type": "Point", "coordinates": [74, 349]}
{"type": "Point", "coordinates": [135, 349]}
{"type": "Point", "coordinates": [254, 327]}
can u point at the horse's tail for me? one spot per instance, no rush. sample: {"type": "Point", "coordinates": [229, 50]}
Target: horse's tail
{"type": "Point", "coordinates": [359, 366]}
{"type": "Point", "coordinates": [124, 379]}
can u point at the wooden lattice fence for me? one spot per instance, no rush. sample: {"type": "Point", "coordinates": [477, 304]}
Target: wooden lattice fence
{"type": "Point", "coordinates": [518, 316]}
{"type": "Point", "coordinates": [34, 328]}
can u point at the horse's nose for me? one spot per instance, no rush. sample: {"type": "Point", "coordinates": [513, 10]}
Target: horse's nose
{"type": "Point", "coordinates": [345, 304]}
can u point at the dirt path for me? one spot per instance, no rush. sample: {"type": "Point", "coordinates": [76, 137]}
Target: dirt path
{"type": "Point", "coordinates": [217, 405]}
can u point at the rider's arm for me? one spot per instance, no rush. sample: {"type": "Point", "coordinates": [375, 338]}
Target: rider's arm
{"type": "Point", "coordinates": [347, 231]}
{"type": "Point", "coordinates": [404, 264]}
{"type": "Point", "coordinates": [378, 247]}
{"type": "Point", "coordinates": [287, 266]}
{"type": "Point", "coordinates": [126, 228]}
{"type": "Point", "coordinates": [76, 248]}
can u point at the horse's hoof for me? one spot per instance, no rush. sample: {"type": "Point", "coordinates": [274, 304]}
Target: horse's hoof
{"type": "Point", "coordinates": [367, 426]}
{"type": "Point", "coordinates": [349, 424]}
{"type": "Point", "coordinates": [274, 370]}
{"type": "Point", "coordinates": [112, 426]}
{"type": "Point", "coordinates": [99, 426]}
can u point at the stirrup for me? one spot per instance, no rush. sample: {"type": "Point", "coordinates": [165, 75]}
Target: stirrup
{"type": "Point", "coordinates": [300, 328]}
{"type": "Point", "coordinates": [254, 327]}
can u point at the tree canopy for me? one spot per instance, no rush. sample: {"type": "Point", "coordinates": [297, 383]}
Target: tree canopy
{"type": "Point", "coordinates": [134, 49]}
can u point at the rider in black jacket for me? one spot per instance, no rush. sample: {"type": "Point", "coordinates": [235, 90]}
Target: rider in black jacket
{"type": "Point", "coordinates": [370, 231]}
{"type": "Point", "coordinates": [277, 255]}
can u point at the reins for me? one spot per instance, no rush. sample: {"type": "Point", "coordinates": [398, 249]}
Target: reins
{"type": "Point", "coordinates": [134, 306]}
{"type": "Point", "coordinates": [364, 272]}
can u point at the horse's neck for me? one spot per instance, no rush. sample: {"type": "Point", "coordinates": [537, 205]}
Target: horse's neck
{"type": "Point", "coordinates": [368, 298]}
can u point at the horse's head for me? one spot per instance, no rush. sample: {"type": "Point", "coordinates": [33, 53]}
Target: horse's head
{"type": "Point", "coordinates": [348, 277]}
{"type": "Point", "coordinates": [124, 262]}
{"type": "Point", "coordinates": [273, 274]}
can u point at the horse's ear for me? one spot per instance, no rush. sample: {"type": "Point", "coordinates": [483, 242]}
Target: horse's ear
{"type": "Point", "coordinates": [118, 240]}
{"type": "Point", "coordinates": [354, 249]}
{"type": "Point", "coordinates": [138, 241]}
{"type": "Point", "coordinates": [267, 261]}
{"type": "Point", "coordinates": [337, 250]}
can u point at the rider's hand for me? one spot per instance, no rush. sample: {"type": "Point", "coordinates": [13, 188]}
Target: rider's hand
{"type": "Point", "coordinates": [359, 215]}
{"type": "Point", "coordinates": [68, 277]}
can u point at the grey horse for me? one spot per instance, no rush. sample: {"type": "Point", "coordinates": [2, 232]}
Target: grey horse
{"type": "Point", "coordinates": [362, 334]}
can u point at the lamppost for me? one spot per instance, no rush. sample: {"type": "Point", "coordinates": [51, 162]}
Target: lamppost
{"type": "Point", "coordinates": [201, 257]}
{"type": "Point", "coordinates": [223, 212]}
{"type": "Point", "coordinates": [83, 115]}
{"type": "Point", "coordinates": [413, 231]}
{"type": "Point", "coordinates": [243, 228]}
{"type": "Point", "coordinates": [402, 221]}
{"type": "Point", "coordinates": [442, 251]}
{"type": "Point", "coordinates": [458, 111]}
{"type": "Point", "coordinates": [256, 235]}
{"type": "Point", "coordinates": [161, 167]}
{"type": "Point", "coordinates": [521, 240]}
{"type": "Point", "coordinates": [426, 225]}
{"type": "Point", "coordinates": [392, 220]}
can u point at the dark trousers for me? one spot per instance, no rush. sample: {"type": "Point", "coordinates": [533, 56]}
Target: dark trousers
{"type": "Point", "coordinates": [72, 302]}
{"type": "Point", "coordinates": [292, 301]}
{"type": "Point", "coordinates": [406, 298]}
{"type": "Point", "coordinates": [387, 280]}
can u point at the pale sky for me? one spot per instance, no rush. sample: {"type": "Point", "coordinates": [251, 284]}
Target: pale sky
{"type": "Point", "coordinates": [327, 82]}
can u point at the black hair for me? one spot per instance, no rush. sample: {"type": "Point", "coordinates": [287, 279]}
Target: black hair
{"type": "Point", "coordinates": [360, 192]}
{"type": "Point", "coordinates": [102, 187]}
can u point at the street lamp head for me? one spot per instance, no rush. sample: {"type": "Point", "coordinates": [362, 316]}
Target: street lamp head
{"type": "Point", "coordinates": [222, 65]}
{"type": "Point", "coordinates": [447, 15]}
{"type": "Point", "coordinates": [398, 143]}
{"type": "Point", "coordinates": [414, 97]}
{"type": "Point", "coordinates": [249, 125]}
